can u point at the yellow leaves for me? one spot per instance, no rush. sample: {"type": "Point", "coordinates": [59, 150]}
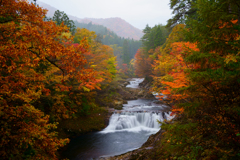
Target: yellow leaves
{"type": "Point", "coordinates": [90, 36]}
{"type": "Point", "coordinates": [93, 66]}
{"type": "Point", "coordinates": [100, 59]}
{"type": "Point", "coordinates": [175, 36]}
{"type": "Point", "coordinates": [230, 58]}
{"type": "Point", "coordinates": [66, 35]}
{"type": "Point", "coordinates": [86, 89]}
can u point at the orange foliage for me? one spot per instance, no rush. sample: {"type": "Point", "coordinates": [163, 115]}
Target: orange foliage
{"type": "Point", "coordinates": [142, 64]}
{"type": "Point", "coordinates": [177, 110]}
{"type": "Point", "coordinates": [175, 78]}
{"type": "Point", "coordinates": [100, 57]}
{"type": "Point", "coordinates": [35, 58]}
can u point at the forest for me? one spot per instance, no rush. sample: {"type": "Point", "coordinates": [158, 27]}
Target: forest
{"type": "Point", "coordinates": [52, 70]}
{"type": "Point", "coordinates": [124, 49]}
{"type": "Point", "coordinates": [197, 67]}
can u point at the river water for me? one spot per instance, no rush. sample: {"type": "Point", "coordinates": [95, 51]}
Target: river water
{"type": "Point", "coordinates": [127, 130]}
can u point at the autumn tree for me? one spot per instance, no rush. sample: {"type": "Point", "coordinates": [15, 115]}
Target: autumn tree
{"type": "Point", "coordinates": [202, 80]}
{"type": "Point", "coordinates": [100, 57]}
{"type": "Point", "coordinates": [142, 64]}
{"type": "Point", "coordinates": [164, 53]}
{"type": "Point", "coordinates": [151, 40]}
{"type": "Point", "coordinates": [36, 61]}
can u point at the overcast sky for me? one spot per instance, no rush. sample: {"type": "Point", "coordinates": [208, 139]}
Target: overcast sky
{"type": "Point", "coordinates": [136, 12]}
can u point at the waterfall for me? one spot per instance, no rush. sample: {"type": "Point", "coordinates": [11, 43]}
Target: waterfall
{"type": "Point", "coordinates": [138, 115]}
{"type": "Point", "coordinates": [135, 121]}
{"type": "Point", "coordinates": [134, 83]}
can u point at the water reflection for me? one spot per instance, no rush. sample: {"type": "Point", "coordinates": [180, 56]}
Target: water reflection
{"type": "Point", "coordinates": [94, 145]}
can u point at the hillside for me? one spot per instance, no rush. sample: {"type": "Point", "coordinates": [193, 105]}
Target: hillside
{"type": "Point", "coordinates": [119, 44]}
{"type": "Point", "coordinates": [117, 25]}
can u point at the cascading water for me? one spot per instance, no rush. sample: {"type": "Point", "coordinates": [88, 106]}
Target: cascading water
{"type": "Point", "coordinates": [128, 129]}
{"type": "Point", "coordinates": [135, 121]}
{"type": "Point", "coordinates": [134, 83]}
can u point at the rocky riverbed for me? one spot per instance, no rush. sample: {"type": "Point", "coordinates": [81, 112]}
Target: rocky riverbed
{"type": "Point", "coordinates": [126, 91]}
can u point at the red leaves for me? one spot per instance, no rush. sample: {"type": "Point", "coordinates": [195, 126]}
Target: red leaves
{"type": "Point", "coordinates": [143, 64]}
{"type": "Point", "coordinates": [46, 91]}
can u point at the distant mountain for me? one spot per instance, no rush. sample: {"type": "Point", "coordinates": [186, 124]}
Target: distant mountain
{"type": "Point", "coordinates": [118, 25]}
{"type": "Point", "coordinates": [50, 9]}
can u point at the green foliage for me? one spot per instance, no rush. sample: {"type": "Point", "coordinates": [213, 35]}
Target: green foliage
{"type": "Point", "coordinates": [126, 54]}
{"type": "Point", "coordinates": [60, 17]}
{"type": "Point", "coordinates": [181, 10]}
{"type": "Point", "coordinates": [118, 52]}
{"type": "Point", "coordinates": [154, 37]}
{"type": "Point", "coordinates": [85, 106]}
{"type": "Point", "coordinates": [80, 124]}
{"type": "Point", "coordinates": [112, 67]}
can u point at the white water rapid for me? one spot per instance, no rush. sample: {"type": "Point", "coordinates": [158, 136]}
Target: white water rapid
{"type": "Point", "coordinates": [134, 83]}
{"type": "Point", "coordinates": [137, 115]}
{"type": "Point", "coordinates": [136, 121]}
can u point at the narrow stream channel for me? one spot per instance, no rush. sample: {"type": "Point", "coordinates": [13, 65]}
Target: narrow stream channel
{"type": "Point", "coordinates": [126, 131]}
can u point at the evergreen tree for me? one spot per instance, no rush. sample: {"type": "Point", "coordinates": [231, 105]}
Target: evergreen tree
{"type": "Point", "coordinates": [154, 37]}
{"type": "Point", "coordinates": [181, 10]}
{"type": "Point", "coordinates": [57, 17]}
{"type": "Point", "coordinates": [60, 17]}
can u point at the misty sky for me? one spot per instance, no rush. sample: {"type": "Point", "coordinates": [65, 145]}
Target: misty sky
{"type": "Point", "coordinates": [136, 12]}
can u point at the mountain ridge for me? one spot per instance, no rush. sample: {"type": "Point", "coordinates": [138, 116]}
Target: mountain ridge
{"type": "Point", "coordinates": [121, 27]}
{"type": "Point", "coordinates": [118, 25]}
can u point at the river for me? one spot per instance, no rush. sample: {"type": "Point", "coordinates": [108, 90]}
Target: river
{"type": "Point", "coordinates": [127, 130]}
